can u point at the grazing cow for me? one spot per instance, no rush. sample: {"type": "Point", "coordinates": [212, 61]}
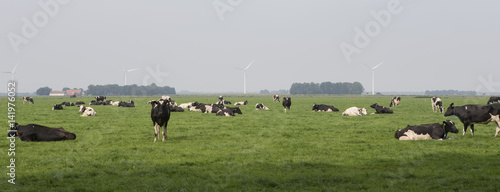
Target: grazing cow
{"type": "Point", "coordinates": [475, 114]}
{"type": "Point", "coordinates": [125, 104]}
{"type": "Point", "coordinates": [188, 105]}
{"type": "Point", "coordinates": [100, 98]}
{"type": "Point", "coordinates": [493, 100]}
{"type": "Point", "coordinates": [276, 98]}
{"type": "Point", "coordinates": [287, 102]}
{"type": "Point", "coordinates": [437, 104]}
{"type": "Point", "coordinates": [427, 131]}
{"type": "Point", "coordinates": [79, 102]}
{"type": "Point", "coordinates": [34, 132]}
{"type": "Point", "coordinates": [57, 107]}
{"type": "Point", "coordinates": [28, 99]}
{"type": "Point", "coordinates": [225, 112]}
{"type": "Point", "coordinates": [241, 103]}
{"type": "Point", "coordinates": [160, 114]}
{"type": "Point", "coordinates": [87, 111]}
{"type": "Point", "coordinates": [379, 109]}
{"type": "Point", "coordinates": [354, 111]}
{"type": "Point", "coordinates": [395, 101]}
{"type": "Point", "coordinates": [322, 107]}
{"type": "Point", "coordinates": [260, 106]}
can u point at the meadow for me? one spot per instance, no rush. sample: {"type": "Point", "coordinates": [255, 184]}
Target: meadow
{"type": "Point", "coordinates": [257, 151]}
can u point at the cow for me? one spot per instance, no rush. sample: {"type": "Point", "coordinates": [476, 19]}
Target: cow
{"type": "Point", "coordinates": [322, 107]}
{"type": "Point", "coordinates": [28, 99]}
{"type": "Point", "coordinates": [87, 111]}
{"type": "Point", "coordinates": [234, 109]}
{"type": "Point", "coordinates": [287, 102]}
{"type": "Point", "coordinates": [209, 108]}
{"type": "Point", "coordinates": [100, 98]}
{"type": "Point", "coordinates": [475, 114]}
{"type": "Point", "coordinates": [34, 132]}
{"type": "Point", "coordinates": [225, 112]}
{"type": "Point", "coordinates": [57, 107]}
{"type": "Point", "coordinates": [241, 103]}
{"type": "Point", "coordinates": [437, 104]}
{"type": "Point", "coordinates": [260, 106]}
{"type": "Point", "coordinates": [176, 109]}
{"type": "Point", "coordinates": [94, 102]}
{"type": "Point", "coordinates": [395, 101]}
{"type": "Point", "coordinates": [125, 104]}
{"type": "Point", "coordinates": [160, 114]}
{"type": "Point", "coordinates": [188, 105]}
{"type": "Point", "coordinates": [193, 108]}
{"type": "Point", "coordinates": [79, 102]}
{"type": "Point", "coordinates": [276, 98]}
{"type": "Point", "coordinates": [493, 100]}
{"type": "Point", "coordinates": [427, 131]}
{"type": "Point", "coordinates": [354, 111]}
{"type": "Point", "coordinates": [114, 103]}
{"type": "Point", "coordinates": [380, 110]}
{"type": "Point", "coordinates": [67, 104]}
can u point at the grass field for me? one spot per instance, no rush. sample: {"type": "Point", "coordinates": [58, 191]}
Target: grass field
{"type": "Point", "coordinates": [256, 151]}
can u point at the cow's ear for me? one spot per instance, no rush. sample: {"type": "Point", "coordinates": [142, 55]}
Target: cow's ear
{"type": "Point", "coordinates": [452, 104]}
{"type": "Point", "coordinates": [444, 122]}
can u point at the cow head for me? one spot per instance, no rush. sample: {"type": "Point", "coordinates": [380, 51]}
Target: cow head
{"type": "Point", "coordinates": [65, 135]}
{"type": "Point", "coordinates": [374, 105]}
{"type": "Point", "coordinates": [450, 111]}
{"type": "Point", "coordinates": [362, 111]}
{"type": "Point", "coordinates": [237, 110]}
{"type": "Point", "coordinates": [13, 131]}
{"type": "Point", "coordinates": [449, 126]}
{"type": "Point", "coordinates": [82, 109]}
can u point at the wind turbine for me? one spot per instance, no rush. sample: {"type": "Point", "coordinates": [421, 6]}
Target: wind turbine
{"type": "Point", "coordinates": [245, 76]}
{"type": "Point", "coordinates": [373, 76]}
{"type": "Point", "coordinates": [126, 71]}
{"type": "Point", "coordinates": [13, 71]}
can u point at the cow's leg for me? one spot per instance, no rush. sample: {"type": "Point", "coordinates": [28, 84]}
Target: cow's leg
{"type": "Point", "coordinates": [496, 119]}
{"type": "Point", "coordinates": [156, 131]}
{"type": "Point", "coordinates": [164, 131]}
{"type": "Point", "coordinates": [404, 138]}
{"type": "Point", "coordinates": [472, 129]}
{"type": "Point", "coordinates": [465, 128]}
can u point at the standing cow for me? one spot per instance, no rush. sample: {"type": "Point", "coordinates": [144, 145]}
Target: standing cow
{"type": "Point", "coordinates": [493, 100]}
{"type": "Point", "coordinates": [475, 114]}
{"type": "Point", "coordinates": [160, 114]}
{"type": "Point", "coordinates": [437, 104]}
{"type": "Point", "coordinates": [28, 99]}
{"type": "Point", "coordinates": [276, 98]}
{"type": "Point", "coordinates": [287, 102]}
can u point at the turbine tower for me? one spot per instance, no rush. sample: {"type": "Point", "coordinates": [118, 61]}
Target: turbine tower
{"type": "Point", "coordinates": [13, 71]}
{"type": "Point", "coordinates": [126, 71]}
{"type": "Point", "coordinates": [373, 76]}
{"type": "Point", "coordinates": [245, 76]}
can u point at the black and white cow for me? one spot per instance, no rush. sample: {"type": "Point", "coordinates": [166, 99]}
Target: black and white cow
{"type": "Point", "coordinates": [395, 101]}
{"type": "Point", "coordinates": [241, 103]}
{"type": "Point", "coordinates": [276, 98]}
{"type": "Point", "coordinates": [176, 109]}
{"type": "Point", "coordinates": [160, 114]}
{"type": "Point", "coordinates": [475, 114]}
{"type": "Point", "coordinates": [57, 107]}
{"type": "Point", "coordinates": [94, 102]}
{"type": "Point", "coordinates": [100, 98]}
{"type": "Point", "coordinates": [428, 131]}
{"type": "Point", "coordinates": [28, 99]}
{"type": "Point", "coordinates": [354, 111]}
{"type": "Point", "coordinates": [34, 132]}
{"type": "Point", "coordinates": [260, 106]}
{"type": "Point", "coordinates": [493, 100]}
{"type": "Point", "coordinates": [189, 105]}
{"type": "Point", "coordinates": [380, 110]}
{"type": "Point", "coordinates": [234, 109]}
{"type": "Point", "coordinates": [79, 102]}
{"type": "Point", "coordinates": [322, 107]}
{"type": "Point", "coordinates": [437, 104]}
{"type": "Point", "coordinates": [125, 104]}
{"type": "Point", "coordinates": [67, 104]}
{"type": "Point", "coordinates": [87, 111]}
{"type": "Point", "coordinates": [209, 108]}
{"type": "Point", "coordinates": [287, 102]}
{"type": "Point", "coordinates": [225, 112]}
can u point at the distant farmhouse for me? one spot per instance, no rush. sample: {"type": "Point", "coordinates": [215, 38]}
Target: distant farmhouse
{"type": "Point", "coordinates": [69, 92]}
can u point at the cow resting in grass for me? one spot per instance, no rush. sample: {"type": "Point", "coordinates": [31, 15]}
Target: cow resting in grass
{"type": "Point", "coordinates": [322, 107]}
{"type": "Point", "coordinates": [475, 114]}
{"type": "Point", "coordinates": [354, 111]}
{"type": "Point", "coordinates": [380, 110]}
{"type": "Point", "coordinates": [427, 131]}
{"type": "Point", "coordinates": [34, 132]}
{"type": "Point", "coordinates": [87, 111]}
{"type": "Point", "coordinates": [160, 114]}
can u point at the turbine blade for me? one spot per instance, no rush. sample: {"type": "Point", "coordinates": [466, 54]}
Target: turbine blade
{"type": "Point", "coordinates": [132, 69]}
{"type": "Point", "coordinates": [14, 70]}
{"type": "Point", "coordinates": [249, 65]}
{"type": "Point", "coordinates": [378, 65]}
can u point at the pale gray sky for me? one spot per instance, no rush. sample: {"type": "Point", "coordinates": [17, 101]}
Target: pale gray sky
{"type": "Point", "coordinates": [194, 45]}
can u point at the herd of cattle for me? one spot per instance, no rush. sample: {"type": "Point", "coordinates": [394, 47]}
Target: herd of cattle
{"type": "Point", "coordinates": [161, 109]}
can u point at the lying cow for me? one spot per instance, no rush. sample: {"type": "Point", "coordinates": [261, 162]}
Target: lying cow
{"type": "Point", "coordinates": [28, 99]}
{"type": "Point", "coordinates": [57, 107]}
{"type": "Point", "coordinates": [234, 109]}
{"type": "Point", "coordinates": [67, 104]}
{"type": "Point", "coordinates": [100, 98]}
{"type": "Point", "coordinates": [260, 106]}
{"type": "Point", "coordinates": [493, 100]}
{"type": "Point", "coordinates": [176, 109]}
{"type": "Point", "coordinates": [475, 114]}
{"type": "Point", "coordinates": [437, 104]}
{"type": "Point", "coordinates": [322, 107]}
{"type": "Point", "coordinates": [209, 108]}
{"type": "Point", "coordinates": [188, 105]}
{"type": "Point", "coordinates": [395, 101]}
{"type": "Point", "coordinates": [241, 103]}
{"type": "Point", "coordinates": [380, 110]}
{"type": "Point", "coordinates": [427, 131]}
{"type": "Point", "coordinates": [225, 112]}
{"type": "Point", "coordinates": [79, 102]}
{"type": "Point", "coordinates": [354, 111]}
{"type": "Point", "coordinates": [34, 132]}
{"type": "Point", "coordinates": [125, 104]}
{"type": "Point", "coordinates": [87, 111]}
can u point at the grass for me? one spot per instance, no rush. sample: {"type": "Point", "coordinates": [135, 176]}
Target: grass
{"type": "Point", "coordinates": [256, 151]}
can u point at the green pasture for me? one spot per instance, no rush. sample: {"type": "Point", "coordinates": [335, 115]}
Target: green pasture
{"type": "Point", "coordinates": [257, 151]}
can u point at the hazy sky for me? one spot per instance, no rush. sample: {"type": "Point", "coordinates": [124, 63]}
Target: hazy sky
{"type": "Point", "coordinates": [195, 45]}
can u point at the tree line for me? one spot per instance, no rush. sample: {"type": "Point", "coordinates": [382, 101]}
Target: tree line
{"type": "Point", "coordinates": [114, 89]}
{"type": "Point", "coordinates": [327, 88]}
{"type": "Point", "coordinates": [450, 92]}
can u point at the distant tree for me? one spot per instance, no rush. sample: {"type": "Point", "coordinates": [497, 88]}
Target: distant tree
{"type": "Point", "coordinates": [43, 91]}
{"type": "Point", "coordinates": [265, 91]}
{"type": "Point", "coordinates": [327, 88]}
{"type": "Point", "coordinates": [66, 88]}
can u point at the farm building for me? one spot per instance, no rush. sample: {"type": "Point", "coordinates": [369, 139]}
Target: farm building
{"type": "Point", "coordinates": [57, 93]}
